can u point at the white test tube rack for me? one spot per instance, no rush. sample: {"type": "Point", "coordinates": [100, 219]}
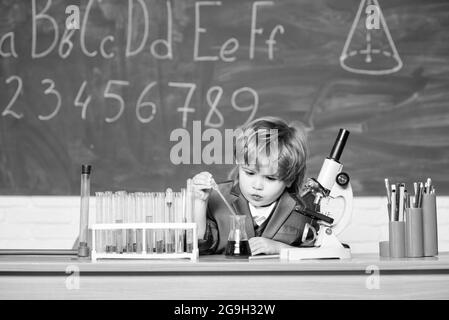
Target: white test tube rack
{"type": "Point", "coordinates": [193, 256]}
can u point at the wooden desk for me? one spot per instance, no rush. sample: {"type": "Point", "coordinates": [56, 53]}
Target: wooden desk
{"type": "Point", "coordinates": [214, 277]}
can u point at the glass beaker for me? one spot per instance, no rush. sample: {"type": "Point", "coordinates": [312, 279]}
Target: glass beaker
{"type": "Point", "coordinates": [238, 246]}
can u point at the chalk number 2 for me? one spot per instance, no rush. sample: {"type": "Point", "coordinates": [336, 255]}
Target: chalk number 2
{"type": "Point", "coordinates": [8, 110]}
{"type": "Point", "coordinates": [50, 90]}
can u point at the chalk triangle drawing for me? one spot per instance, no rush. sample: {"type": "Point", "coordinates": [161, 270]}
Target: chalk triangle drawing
{"type": "Point", "coordinates": [370, 50]}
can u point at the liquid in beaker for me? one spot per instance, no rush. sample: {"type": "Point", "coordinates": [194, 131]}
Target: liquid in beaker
{"type": "Point", "coordinates": [238, 245]}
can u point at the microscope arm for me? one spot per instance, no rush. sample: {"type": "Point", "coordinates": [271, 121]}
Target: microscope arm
{"type": "Point", "coordinates": [313, 214]}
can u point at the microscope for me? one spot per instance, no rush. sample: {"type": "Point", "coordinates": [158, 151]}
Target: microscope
{"type": "Point", "coordinates": [318, 197]}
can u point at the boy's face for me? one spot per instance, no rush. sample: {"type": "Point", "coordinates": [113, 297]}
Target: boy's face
{"type": "Point", "coordinates": [260, 185]}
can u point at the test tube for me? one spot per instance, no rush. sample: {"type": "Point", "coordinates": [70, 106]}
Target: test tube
{"type": "Point", "coordinates": [189, 215]}
{"type": "Point", "coordinates": [100, 205]}
{"type": "Point", "coordinates": [120, 199]}
{"type": "Point", "coordinates": [131, 243]}
{"type": "Point", "coordinates": [169, 217]}
{"type": "Point", "coordinates": [99, 244]}
{"type": "Point", "coordinates": [183, 218]}
{"type": "Point", "coordinates": [155, 219]}
{"type": "Point", "coordinates": [83, 248]}
{"type": "Point", "coordinates": [116, 219]}
{"type": "Point", "coordinates": [149, 219]}
{"type": "Point", "coordinates": [174, 219]}
{"type": "Point", "coordinates": [124, 208]}
{"type": "Point", "coordinates": [179, 218]}
{"type": "Point", "coordinates": [104, 219]}
{"type": "Point", "coordinates": [111, 233]}
{"type": "Point", "coordinates": [159, 215]}
{"type": "Point", "coordinates": [107, 204]}
{"type": "Point", "coordinates": [125, 239]}
{"type": "Point", "coordinates": [139, 219]}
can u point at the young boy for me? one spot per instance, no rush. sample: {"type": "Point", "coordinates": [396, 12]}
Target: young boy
{"type": "Point", "coordinates": [271, 164]}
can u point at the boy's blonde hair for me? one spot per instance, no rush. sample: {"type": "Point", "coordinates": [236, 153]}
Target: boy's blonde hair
{"type": "Point", "coordinates": [282, 144]}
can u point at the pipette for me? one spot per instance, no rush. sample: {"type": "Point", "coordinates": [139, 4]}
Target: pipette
{"type": "Point", "coordinates": [215, 187]}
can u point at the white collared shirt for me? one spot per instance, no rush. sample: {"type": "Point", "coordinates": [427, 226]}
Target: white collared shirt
{"type": "Point", "coordinates": [260, 214]}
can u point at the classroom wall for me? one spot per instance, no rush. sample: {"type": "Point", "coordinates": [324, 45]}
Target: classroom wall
{"type": "Point", "coordinates": [52, 222]}
{"type": "Point", "coordinates": [302, 77]}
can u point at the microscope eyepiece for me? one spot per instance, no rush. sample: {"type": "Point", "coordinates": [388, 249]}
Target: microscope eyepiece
{"type": "Point", "coordinates": [339, 145]}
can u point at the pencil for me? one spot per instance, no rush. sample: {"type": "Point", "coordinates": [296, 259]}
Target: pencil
{"type": "Point", "coordinates": [420, 194]}
{"type": "Point", "coordinates": [387, 187]}
{"type": "Point", "coordinates": [415, 198]}
{"type": "Point", "coordinates": [401, 203]}
{"type": "Point", "coordinates": [393, 203]}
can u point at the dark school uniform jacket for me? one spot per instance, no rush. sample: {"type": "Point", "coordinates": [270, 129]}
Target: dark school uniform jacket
{"type": "Point", "coordinates": [284, 224]}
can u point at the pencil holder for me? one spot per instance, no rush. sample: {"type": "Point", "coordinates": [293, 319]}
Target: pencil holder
{"type": "Point", "coordinates": [384, 249]}
{"type": "Point", "coordinates": [414, 241]}
{"type": "Point", "coordinates": [430, 227]}
{"type": "Point", "coordinates": [397, 239]}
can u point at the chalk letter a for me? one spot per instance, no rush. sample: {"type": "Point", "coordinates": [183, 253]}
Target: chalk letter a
{"type": "Point", "coordinates": [10, 36]}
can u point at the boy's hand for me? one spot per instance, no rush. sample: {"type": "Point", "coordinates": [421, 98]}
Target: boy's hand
{"type": "Point", "coordinates": [202, 185]}
{"type": "Point", "coordinates": [260, 245]}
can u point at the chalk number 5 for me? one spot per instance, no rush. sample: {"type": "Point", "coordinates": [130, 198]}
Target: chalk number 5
{"type": "Point", "coordinates": [115, 96]}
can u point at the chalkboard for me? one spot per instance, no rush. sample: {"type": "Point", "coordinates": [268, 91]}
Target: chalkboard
{"type": "Point", "coordinates": [110, 88]}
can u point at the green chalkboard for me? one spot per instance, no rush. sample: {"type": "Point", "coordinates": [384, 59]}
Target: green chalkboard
{"type": "Point", "coordinates": [111, 89]}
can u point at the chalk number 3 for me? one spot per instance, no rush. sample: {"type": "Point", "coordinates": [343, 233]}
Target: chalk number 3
{"type": "Point", "coordinates": [51, 90]}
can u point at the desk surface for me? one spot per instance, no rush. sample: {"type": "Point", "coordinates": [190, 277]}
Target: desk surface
{"type": "Point", "coordinates": [364, 276]}
{"type": "Point", "coordinates": [218, 263]}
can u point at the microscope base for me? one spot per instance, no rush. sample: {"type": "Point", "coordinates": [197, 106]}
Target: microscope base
{"type": "Point", "coordinates": [294, 254]}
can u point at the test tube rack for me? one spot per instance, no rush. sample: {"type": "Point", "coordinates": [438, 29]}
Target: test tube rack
{"type": "Point", "coordinates": [193, 255]}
